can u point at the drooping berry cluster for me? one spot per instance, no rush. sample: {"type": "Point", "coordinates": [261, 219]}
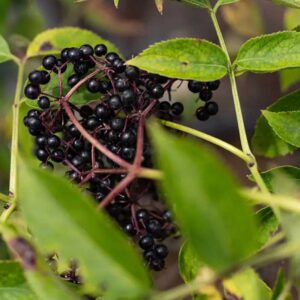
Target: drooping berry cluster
{"type": "Point", "coordinates": [99, 143]}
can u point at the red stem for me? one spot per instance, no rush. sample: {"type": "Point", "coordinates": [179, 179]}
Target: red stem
{"type": "Point", "coordinates": [121, 186]}
{"type": "Point", "coordinates": [115, 158]}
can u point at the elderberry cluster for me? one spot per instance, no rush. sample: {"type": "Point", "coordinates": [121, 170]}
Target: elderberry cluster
{"type": "Point", "coordinates": [68, 134]}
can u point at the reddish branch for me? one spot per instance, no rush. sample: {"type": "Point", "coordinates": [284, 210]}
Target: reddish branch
{"type": "Point", "coordinates": [132, 170]}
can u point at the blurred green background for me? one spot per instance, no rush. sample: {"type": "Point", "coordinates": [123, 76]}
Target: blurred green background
{"type": "Point", "coordinates": [136, 25]}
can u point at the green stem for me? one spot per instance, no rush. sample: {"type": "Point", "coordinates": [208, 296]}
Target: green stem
{"type": "Point", "coordinates": [279, 201]}
{"type": "Point", "coordinates": [4, 198]}
{"type": "Point", "coordinates": [209, 138]}
{"type": "Point", "coordinates": [238, 110]}
{"type": "Point", "coordinates": [182, 291]}
{"type": "Point", "coordinates": [15, 133]}
{"type": "Point", "coordinates": [150, 174]}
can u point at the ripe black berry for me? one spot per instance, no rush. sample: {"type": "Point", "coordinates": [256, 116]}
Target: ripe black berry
{"type": "Point", "coordinates": [85, 111]}
{"type": "Point", "coordinates": [117, 124]}
{"type": "Point", "coordinates": [49, 62]}
{"type": "Point", "coordinates": [93, 85]}
{"type": "Point", "coordinates": [146, 242]}
{"type": "Point", "coordinates": [45, 77]}
{"type": "Point", "coordinates": [41, 154]}
{"type": "Point", "coordinates": [129, 229]}
{"type": "Point", "coordinates": [64, 54]}
{"type": "Point", "coordinates": [154, 227]}
{"type": "Point", "coordinates": [177, 108]}
{"type": "Point", "coordinates": [92, 123]}
{"type": "Point", "coordinates": [195, 86]}
{"type": "Point", "coordinates": [132, 72]}
{"type": "Point", "coordinates": [213, 85]}
{"type": "Point", "coordinates": [128, 138]}
{"type": "Point", "coordinates": [165, 105]}
{"type": "Point", "coordinates": [127, 153]}
{"type": "Point", "coordinates": [202, 114]}
{"type": "Point", "coordinates": [205, 95]}
{"type": "Point", "coordinates": [34, 123]}
{"type": "Point", "coordinates": [73, 80]}
{"type": "Point", "coordinates": [161, 251]}
{"type": "Point", "coordinates": [157, 264]}
{"type": "Point", "coordinates": [142, 214]}
{"type": "Point", "coordinates": [105, 86]}
{"type": "Point", "coordinates": [53, 141]}
{"type": "Point", "coordinates": [32, 91]}
{"type": "Point", "coordinates": [35, 77]}
{"type": "Point", "coordinates": [81, 68]}
{"type": "Point", "coordinates": [115, 102]}
{"type": "Point", "coordinates": [41, 141]}
{"type": "Point", "coordinates": [121, 85]}
{"type": "Point", "coordinates": [118, 65]}
{"type": "Point", "coordinates": [74, 54]}
{"type": "Point", "coordinates": [86, 51]}
{"type": "Point", "coordinates": [149, 255]}
{"type": "Point", "coordinates": [102, 112]}
{"type": "Point", "coordinates": [157, 91]}
{"type": "Point", "coordinates": [73, 131]}
{"type": "Point", "coordinates": [100, 50]}
{"type": "Point", "coordinates": [60, 65]}
{"type": "Point", "coordinates": [111, 57]}
{"type": "Point", "coordinates": [128, 97]}
{"type": "Point", "coordinates": [44, 102]}
{"type": "Point", "coordinates": [58, 155]}
{"type": "Point", "coordinates": [212, 108]}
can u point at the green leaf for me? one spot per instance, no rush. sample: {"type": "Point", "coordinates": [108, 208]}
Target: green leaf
{"type": "Point", "coordinates": [288, 78]}
{"type": "Point", "coordinates": [224, 2]}
{"type": "Point", "coordinates": [13, 284]}
{"type": "Point", "coordinates": [288, 3]}
{"type": "Point", "coordinates": [285, 124]}
{"type": "Point", "coordinates": [52, 41]}
{"type": "Point", "coordinates": [105, 255]}
{"type": "Point", "coordinates": [268, 224]}
{"type": "Point", "coordinates": [269, 53]}
{"type": "Point", "coordinates": [198, 3]}
{"type": "Point", "coordinates": [188, 262]}
{"type": "Point", "coordinates": [269, 176]}
{"type": "Point", "coordinates": [47, 286]}
{"type": "Point", "coordinates": [265, 141]}
{"type": "Point", "coordinates": [116, 2]}
{"type": "Point", "coordinates": [209, 218]}
{"type": "Point", "coordinates": [279, 285]}
{"type": "Point", "coordinates": [160, 5]}
{"type": "Point", "coordinates": [184, 59]}
{"type": "Point", "coordinates": [247, 285]}
{"type": "Point", "coordinates": [291, 18]}
{"type": "Point", "coordinates": [5, 53]}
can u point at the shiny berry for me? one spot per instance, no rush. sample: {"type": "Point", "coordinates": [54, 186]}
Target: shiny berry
{"type": "Point", "coordinates": [161, 251]}
{"type": "Point", "coordinates": [32, 91]}
{"type": "Point", "coordinates": [35, 77]}
{"type": "Point", "coordinates": [73, 80]}
{"type": "Point", "coordinates": [128, 138]}
{"type": "Point", "coordinates": [212, 108]}
{"type": "Point", "coordinates": [44, 102]}
{"type": "Point", "coordinates": [146, 242]}
{"type": "Point", "coordinates": [202, 114]}
{"type": "Point", "coordinates": [49, 62]}
{"type": "Point", "coordinates": [157, 91]}
{"type": "Point", "coordinates": [128, 153]}
{"type": "Point", "coordinates": [121, 85]}
{"type": "Point", "coordinates": [128, 97]}
{"type": "Point", "coordinates": [115, 102]}
{"type": "Point", "coordinates": [195, 86]}
{"type": "Point", "coordinates": [157, 264]}
{"type": "Point", "coordinates": [86, 51]}
{"type": "Point", "coordinates": [74, 54]}
{"type": "Point", "coordinates": [100, 50]}
{"type": "Point", "coordinates": [111, 57]}
{"type": "Point", "coordinates": [129, 229]}
{"type": "Point", "coordinates": [177, 108]}
{"type": "Point", "coordinates": [41, 154]}
{"type": "Point", "coordinates": [165, 105]}
{"type": "Point", "coordinates": [45, 77]}
{"type": "Point", "coordinates": [102, 112]}
{"type": "Point", "coordinates": [93, 85]}
{"type": "Point", "coordinates": [64, 54]}
{"type": "Point", "coordinates": [53, 141]}
{"type": "Point", "coordinates": [58, 155]}
{"type": "Point", "coordinates": [117, 124]}
{"type": "Point", "coordinates": [132, 72]}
